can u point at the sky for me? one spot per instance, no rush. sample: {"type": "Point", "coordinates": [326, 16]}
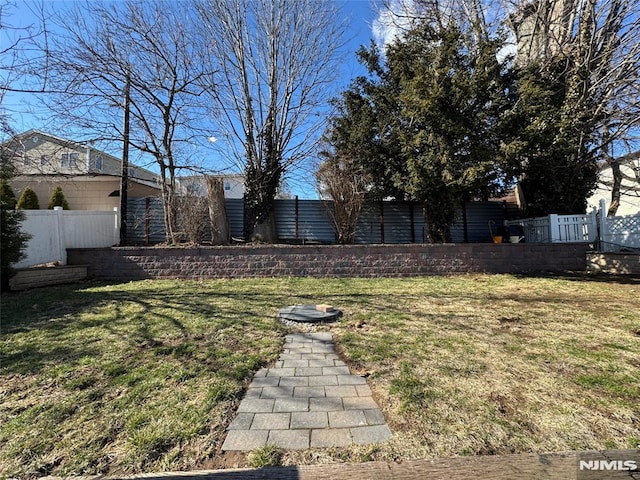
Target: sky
{"type": "Point", "coordinates": [360, 15]}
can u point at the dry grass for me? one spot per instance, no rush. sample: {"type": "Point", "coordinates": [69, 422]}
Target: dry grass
{"type": "Point", "coordinates": [499, 364]}
{"type": "Point", "coordinates": [144, 376]}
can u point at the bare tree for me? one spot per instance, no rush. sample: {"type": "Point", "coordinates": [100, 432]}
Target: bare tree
{"type": "Point", "coordinates": [276, 60]}
{"type": "Point", "coordinates": [152, 46]}
{"type": "Point", "coordinates": [343, 180]}
{"type": "Point", "coordinates": [21, 65]}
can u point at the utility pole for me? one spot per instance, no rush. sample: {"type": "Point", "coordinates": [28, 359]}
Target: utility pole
{"type": "Point", "coordinates": [124, 175]}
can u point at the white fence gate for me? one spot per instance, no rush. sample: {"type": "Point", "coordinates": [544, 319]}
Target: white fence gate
{"type": "Point", "coordinates": [613, 233]}
{"type": "Point", "coordinates": [617, 233]}
{"type": "Point", "coordinates": [559, 228]}
{"type": "Point", "coordinates": [53, 231]}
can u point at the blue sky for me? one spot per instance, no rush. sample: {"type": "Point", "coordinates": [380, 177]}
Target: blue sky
{"type": "Point", "coordinates": [360, 15]}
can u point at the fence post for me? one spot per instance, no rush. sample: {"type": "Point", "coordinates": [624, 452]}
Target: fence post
{"type": "Point", "coordinates": [602, 227]}
{"type": "Point", "coordinates": [116, 230]}
{"type": "Point", "coordinates": [554, 228]}
{"type": "Point", "coordinates": [59, 233]}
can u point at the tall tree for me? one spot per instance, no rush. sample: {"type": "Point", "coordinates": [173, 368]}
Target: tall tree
{"type": "Point", "coordinates": [581, 59]}
{"type": "Point", "coordinates": [154, 46]}
{"type": "Point", "coordinates": [440, 98]}
{"type": "Point", "coordinates": [366, 125]}
{"type": "Point", "coordinates": [453, 101]}
{"type": "Point", "coordinates": [276, 60]}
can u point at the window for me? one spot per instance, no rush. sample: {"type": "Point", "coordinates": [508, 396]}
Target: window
{"type": "Point", "coordinates": [98, 165]}
{"type": "Point", "coordinates": [44, 160]}
{"type": "Point", "coordinates": [227, 186]}
{"type": "Point", "coordinates": [132, 172]}
{"type": "Point", "coordinates": [70, 160]}
{"type": "Point", "coordinates": [26, 160]}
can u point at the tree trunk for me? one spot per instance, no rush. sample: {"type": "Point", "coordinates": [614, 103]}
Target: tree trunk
{"type": "Point", "coordinates": [217, 211]}
{"type": "Point", "coordinates": [615, 188]}
{"type": "Point", "coordinates": [261, 186]}
{"type": "Point", "coordinates": [265, 231]}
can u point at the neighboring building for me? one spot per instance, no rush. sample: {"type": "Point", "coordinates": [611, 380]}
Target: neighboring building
{"type": "Point", "coordinates": [89, 178]}
{"type": "Point", "coordinates": [196, 185]}
{"type": "Point", "coordinates": [629, 187]}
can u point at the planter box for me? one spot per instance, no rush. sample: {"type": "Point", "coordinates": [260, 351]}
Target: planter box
{"type": "Point", "coordinates": [45, 276]}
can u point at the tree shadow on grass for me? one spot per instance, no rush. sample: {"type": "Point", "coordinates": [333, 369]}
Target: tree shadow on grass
{"type": "Point", "coordinates": [68, 324]}
{"type": "Point", "coordinates": [586, 277]}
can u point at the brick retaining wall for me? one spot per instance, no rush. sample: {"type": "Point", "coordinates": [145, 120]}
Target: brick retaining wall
{"type": "Point", "coordinates": [130, 263]}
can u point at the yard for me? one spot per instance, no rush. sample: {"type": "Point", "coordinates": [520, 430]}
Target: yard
{"type": "Point", "coordinates": [145, 376]}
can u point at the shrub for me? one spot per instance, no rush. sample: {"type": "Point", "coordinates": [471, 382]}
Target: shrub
{"type": "Point", "coordinates": [58, 200]}
{"type": "Point", "coordinates": [267, 456]}
{"type": "Point", "coordinates": [12, 240]}
{"type": "Point", "coordinates": [28, 200]}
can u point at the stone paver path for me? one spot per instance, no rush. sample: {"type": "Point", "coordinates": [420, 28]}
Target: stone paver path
{"type": "Point", "coordinates": [309, 399]}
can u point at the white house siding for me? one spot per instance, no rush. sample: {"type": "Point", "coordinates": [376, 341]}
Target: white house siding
{"type": "Point", "coordinates": [630, 190]}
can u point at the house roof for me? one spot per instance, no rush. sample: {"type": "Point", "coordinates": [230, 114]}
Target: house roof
{"type": "Point", "coordinates": [64, 142]}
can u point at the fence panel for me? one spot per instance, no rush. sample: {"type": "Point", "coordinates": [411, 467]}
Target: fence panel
{"type": "Point", "coordinates": [398, 218]}
{"type": "Point", "coordinates": [621, 232]}
{"type": "Point", "coordinates": [536, 230]}
{"type": "Point", "coordinates": [574, 228]}
{"type": "Point", "coordinates": [368, 228]}
{"type": "Point", "coordinates": [145, 221]}
{"type": "Point", "coordinates": [478, 215]}
{"type": "Point", "coordinates": [392, 224]}
{"type": "Point", "coordinates": [303, 221]}
{"type": "Point", "coordinates": [44, 245]}
{"type": "Point", "coordinates": [53, 231]}
{"type": "Point", "coordinates": [85, 229]}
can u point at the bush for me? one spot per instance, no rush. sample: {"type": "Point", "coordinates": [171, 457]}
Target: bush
{"type": "Point", "coordinates": [28, 200]}
{"type": "Point", "coordinates": [58, 200]}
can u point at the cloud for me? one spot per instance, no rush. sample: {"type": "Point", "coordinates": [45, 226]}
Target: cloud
{"type": "Point", "coordinates": [393, 20]}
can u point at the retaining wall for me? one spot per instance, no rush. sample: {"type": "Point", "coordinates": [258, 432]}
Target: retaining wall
{"type": "Point", "coordinates": [616, 263]}
{"type": "Point", "coordinates": [130, 263]}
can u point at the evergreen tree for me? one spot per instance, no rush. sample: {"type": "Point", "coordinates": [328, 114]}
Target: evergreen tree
{"type": "Point", "coordinates": [58, 200]}
{"type": "Point", "coordinates": [554, 141]}
{"type": "Point", "coordinates": [12, 240]}
{"type": "Point", "coordinates": [428, 124]}
{"type": "Point", "coordinates": [28, 200]}
{"type": "Point", "coordinates": [366, 127]}
{"type": "Point", "coordinates": [453, 95]}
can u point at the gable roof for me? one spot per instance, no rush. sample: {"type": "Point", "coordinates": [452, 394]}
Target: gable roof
{"type": "Point", "coordinates": [63, 142]}
{"type": "Point", "coordinates": [143, 176]}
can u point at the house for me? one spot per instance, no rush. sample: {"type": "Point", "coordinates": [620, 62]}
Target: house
{"type": "Point", "coordinates": [629, 186]}
{"type": "Point", "coordinates": [89, 178]}
{"type": "Point", "coordinates": [232, 184]}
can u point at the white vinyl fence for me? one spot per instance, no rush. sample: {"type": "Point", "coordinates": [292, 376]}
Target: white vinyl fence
{"type": "Point", "coordinates": [559, 228]}
{"type": "Point", "coordinates": [618, 233]}
{"type": "Point", "coordinates": [53, 231]}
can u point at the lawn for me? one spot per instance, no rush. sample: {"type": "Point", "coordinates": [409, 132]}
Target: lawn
{"type": "Point", "coordinates": [145, 376]}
